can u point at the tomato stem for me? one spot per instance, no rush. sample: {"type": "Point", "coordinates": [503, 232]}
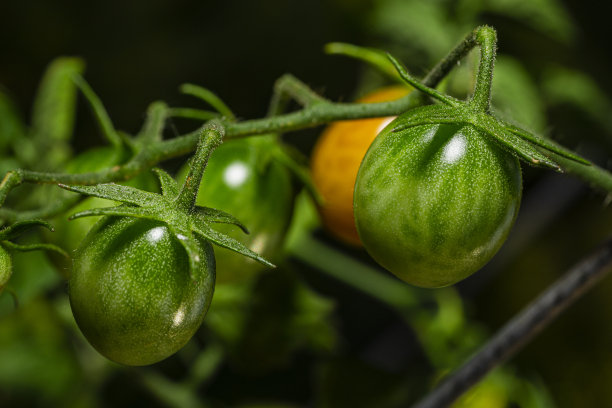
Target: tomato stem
{"type": "Point", "coordinates": [486, 38]}
{"type": "Point", "coordinates": [210, 137]}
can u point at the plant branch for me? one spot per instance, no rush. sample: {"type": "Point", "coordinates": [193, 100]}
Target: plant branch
{"type": "Point", "coordinates": [317, 111]}
{"type": "Point", "coordinates": [524, 327]}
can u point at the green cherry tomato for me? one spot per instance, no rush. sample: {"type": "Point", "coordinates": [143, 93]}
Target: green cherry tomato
{"type": "Point", "coordinates": [243, 178]}
{"type": "Point", "coordinates": [433, 203]}
{"type": "Point", "coordinates": [131, 292]}
{"type": "Point", "coordinates": [6, 266]}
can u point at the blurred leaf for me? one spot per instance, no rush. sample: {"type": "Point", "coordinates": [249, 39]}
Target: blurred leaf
{"type": "Point", "coordinates": [36, 360]}
{"type": "Point", "coordinates": [567, 86]}
{"type": "Point", "coordinates": [492, 392]}
{"type": "Point", "coordinates": [173, 394]}
{"type": "Point", "coordinates": [420, 25]}
{"type": "Point", "coordinates": [516, 96]}
{"type": "Point", "coordinates": [295, 318]}
{"type": "Point", "coordinates": [546, 16]}
{"type": "Point", "coordinates": [11, 124]}
{"type": "Point", "coordinates": [53, 112]}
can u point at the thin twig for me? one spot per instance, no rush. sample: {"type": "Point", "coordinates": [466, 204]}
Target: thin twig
{"type": "Point", "coordinates": [523, 327]}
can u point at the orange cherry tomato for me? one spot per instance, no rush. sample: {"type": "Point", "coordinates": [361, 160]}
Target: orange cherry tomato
{"type": "Point", "coordinates": [335, 162]}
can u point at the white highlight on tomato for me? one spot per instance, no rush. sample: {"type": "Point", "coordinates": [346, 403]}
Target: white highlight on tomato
{"type": "Point", "coordinates": [454, 149]}
{"type": "Point", "coordinates": [155, 234]}
{"type": "Point", "coordinates": [178, 317]}
{"type": "Point", "coordinates": [235, 174]}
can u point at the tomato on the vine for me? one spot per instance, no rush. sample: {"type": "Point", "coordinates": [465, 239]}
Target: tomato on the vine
{"type": "Point", "coordinates": [131, 292]}
{"type": "Point", "coordinates": [244, 179]}
{"type": "Point", "coordinates": [335, 162]}
{"type": "Point", "coordinates": [433, 203]}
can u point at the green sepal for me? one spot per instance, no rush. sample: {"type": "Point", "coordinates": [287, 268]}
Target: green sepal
{"type": "Point", "coordinates": [187, 240]}
{"type": "Point", "coordinates": [34, 247]}
{"type": "Point", "coordinates": [117, 192]}
{"type": "Point", "coordinates": [513, 143]}
{"type": "Point", "coordinates": [438, 114]}
{"type": "Point", "coordinates": [545, 144]}
{"type": "Point", "coordinates": [19, 227]}
{"type": "Point", "coordinates": [207, 214]}
{"type": "Point", "coordinates": [121, 210]}
{"type": "Point", "coordinates": [182, 217]}
{"type": "Point", "coordinates": [169, 186]}
{"type": "Point", "coordinates": [224, 241]}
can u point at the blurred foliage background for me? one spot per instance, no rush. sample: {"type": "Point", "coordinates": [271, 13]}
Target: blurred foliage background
{"type": "Point", "coordinates": [330, 330]}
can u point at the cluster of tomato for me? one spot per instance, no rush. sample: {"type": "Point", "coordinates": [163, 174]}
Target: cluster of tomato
{"type": "Point", "coordinates": [431, 203]}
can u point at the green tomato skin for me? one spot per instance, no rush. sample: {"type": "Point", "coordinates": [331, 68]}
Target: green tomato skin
{"type": "Point", "coordinates": [131, 292]}
{"type": "Point", "coordinates": [242, 179]}
{"type": "Point", "coordinates": [6, 267]}
{"type": "Point", "coordinates": [434, 203]}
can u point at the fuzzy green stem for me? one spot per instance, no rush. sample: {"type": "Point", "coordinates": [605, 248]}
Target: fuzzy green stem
{"type": "Point", "coordinates": [486, 38]}
{"type": "Point", "coordinates": [287, 87]}
{"type": "Point", "coordinates": [100, 113]}
{"type": "Point", "coordinates": [210, 137]}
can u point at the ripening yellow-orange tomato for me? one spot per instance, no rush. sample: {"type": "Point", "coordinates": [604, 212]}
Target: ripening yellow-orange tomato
{"type": "Point", "coordinates": [335, 162]}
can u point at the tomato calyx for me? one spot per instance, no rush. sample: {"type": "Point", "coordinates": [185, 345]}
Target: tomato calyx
{"type": "Point", "coordinates": [529, 147]}
{"type": "Point", "coordinates": [175, 207]}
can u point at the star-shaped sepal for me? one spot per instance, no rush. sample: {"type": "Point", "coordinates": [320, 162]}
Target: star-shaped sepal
{"type": "Point", "coordinates": [175, 207]}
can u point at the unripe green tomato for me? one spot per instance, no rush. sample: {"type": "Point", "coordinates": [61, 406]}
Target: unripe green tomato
{"type": "Point", "coordinates": [433, 203]}
{"type": "Point", "coordinates": [131, 292]}
{"type": "Point", "coordinates": [6, 267]}
{"type": "Point", "coordinates": [243, 179]}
